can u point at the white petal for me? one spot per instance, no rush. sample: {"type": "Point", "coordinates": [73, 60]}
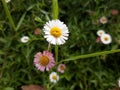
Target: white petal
{"type": "Point", "coordinates": [59, 42]}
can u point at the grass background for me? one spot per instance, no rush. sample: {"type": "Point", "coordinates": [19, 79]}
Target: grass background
{"type": "Point", "coordinates": [16, 59]}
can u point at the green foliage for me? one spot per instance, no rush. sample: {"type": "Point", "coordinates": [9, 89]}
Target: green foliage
{"type": "Point", "coordinates": [16, 58]}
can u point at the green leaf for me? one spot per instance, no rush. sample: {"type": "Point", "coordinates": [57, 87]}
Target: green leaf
{"type": "Point", "coordinates": [1, 52]}
{"type": "Point", "coordinates": [90, 55]}
{"type": "Point", "coordinates": [8, 88]}
{"type": "Point", "coordinates": [3, 40]}
{"type": "Point", "coordinates": [38, 19]}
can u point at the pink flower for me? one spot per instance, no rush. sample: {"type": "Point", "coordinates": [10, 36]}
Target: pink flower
{"type": "Point", "coordinates": [37, 31]}
{"type": "Point", "coordinates": [44, 60]}
{"type": "Point", "coordinates": [114, 12]}
{"type": "Point", "coordinates": [98, 40]}
{"type": "Point", "coordinates": [61, 68]}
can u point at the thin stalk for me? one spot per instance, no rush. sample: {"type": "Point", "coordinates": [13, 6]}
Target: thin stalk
{"type": "Point", "coordinates": [49, 45]}
{"type": "Point", "coordinates": [55, 9]}
{"type": "Point", "coordinates": [90, 55]}
{"type": "Point", "coordinates": [55, 16]}
{"type": "Point", "coordinates": [56, 53]}
{"type": "Point", "coordinates": [8, 15]}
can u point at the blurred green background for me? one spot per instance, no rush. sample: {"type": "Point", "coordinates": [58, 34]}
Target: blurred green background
{"type": "Point", "coordinates": [96, 73]}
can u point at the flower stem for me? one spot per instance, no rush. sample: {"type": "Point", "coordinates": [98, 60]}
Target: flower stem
{"type": "Point", "coordinates": [55, 16]}
{"type": "Point", "coordinates": [56, 53]}
{"type": "Point", "coordinates": [55, 9]}
{"type": "Point", "coordinates": [49, 45]}
{"type": "Point", "coordinates": [90, 55]}
{"type": "Point", "coordinates": [8, 15]}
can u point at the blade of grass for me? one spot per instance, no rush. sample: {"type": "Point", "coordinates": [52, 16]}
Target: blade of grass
{"type": "Point", "coordinates": [23, 16]}
{"type": "Point", "coordinates": [8, 15]}
{"type": "Point", "coordinates": [20, 21]}
{"type": "Point", "coordinates": [90, 55]}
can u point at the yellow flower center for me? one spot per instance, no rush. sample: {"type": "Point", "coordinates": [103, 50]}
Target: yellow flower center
{"type": "Point", "coordinates": [44, 60]}
{"type": "Point", "coordinates": [101, 33]}
{"type": "Point", "coordinates": [54, 77]}
{"type": "Point", "coordinates": [106, 38]}
{"type": "Point", "coordinates": [56, 32]}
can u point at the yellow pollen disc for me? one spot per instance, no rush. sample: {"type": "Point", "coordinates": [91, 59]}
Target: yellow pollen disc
{"type": "Point", "coordinates": [56, 32]}
{"type": "Point", "coordinates": [62, 67]}
{"type": "Point", "coordinates": [54, 77]}
{"type": "Point", "coordinates": [101, 33]}
{"type": "Point", "coordinates": [44, 60]}
{"type": "Point", "coordinates": [106, 38]}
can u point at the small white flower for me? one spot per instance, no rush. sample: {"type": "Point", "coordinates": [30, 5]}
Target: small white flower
{"type": "Point", "coordinates": [7, 1]}
{"type": "Point", "coordinates": [103, 20]}
{"type": "Point", "coordinates": [119, 83]}
{"type": "Point", "coordinates": [56, 32]}
{"type": "Point", "coordinates": [54, 77]}
{"type": "Point", "coordinates": [106, 39]}
{"type": "Point", "coordinates": [24, 39]}
{"type": "Point", "coordinates": [100, 32]}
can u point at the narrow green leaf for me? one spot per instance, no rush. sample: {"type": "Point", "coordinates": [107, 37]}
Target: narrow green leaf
{"type": "Point", "coordinates": [23, 16]}
{"type": "Point", "coordinates": [20, 21]}
{"type": "Point", "coordinates": [8, 88]}
{"type": "Point", "coordinates": [8, 15]}
{"type": "Point", "coordinates": [90, 55]}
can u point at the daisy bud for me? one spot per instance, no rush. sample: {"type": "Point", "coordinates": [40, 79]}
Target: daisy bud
{"type": "Point", "coordinates": [114, 12]}
{"type": "Point", "coordinates": [61, 68]}
{"type": "Point", "coordinates": [103, 20]}
{"type": "Point", "coordinates": [37, 31]}
{"type": "Point", "coordinates": [24, 39]}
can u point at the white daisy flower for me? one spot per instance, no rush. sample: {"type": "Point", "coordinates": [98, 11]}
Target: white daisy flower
{"type": "Point", "coordinates": [100, 32]}
{"type": "Point", "coordinates": [54, 77]}
{"type": "Point", "coordinates": [103, 20]}
{"type": "Point", "coordinates": [24, 39]}
{"type": "Point", "coordinates": [7, 1]}
{"type": "Point", "coordinates": [56, 32]}
{"type": "Point", "coordinates": [106, 39]}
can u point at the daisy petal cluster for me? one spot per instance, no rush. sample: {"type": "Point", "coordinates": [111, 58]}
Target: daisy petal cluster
{"type": "Point", "coordinates": [24, 39]}
{"type": "Point", "coordinates": [106, 39]}
{"type": "Point", "coordinates": [56, 32]}
{"type": "Point", "coordinates": [61, 68]}
{"type": "Point", "coordinates": [103, 37]}
{"type": "Point", "coordinates": [100, 32]}
{"type": "Point", "coordinates": [103, 20]}
{"type": "Point", "coordinates": [44, 61]}
{"type": "Point", "coordinates": [54, 77]}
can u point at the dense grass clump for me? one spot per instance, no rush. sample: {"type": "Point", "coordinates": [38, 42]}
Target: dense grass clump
{"type": "Point", "coordinates": [82, 18]}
